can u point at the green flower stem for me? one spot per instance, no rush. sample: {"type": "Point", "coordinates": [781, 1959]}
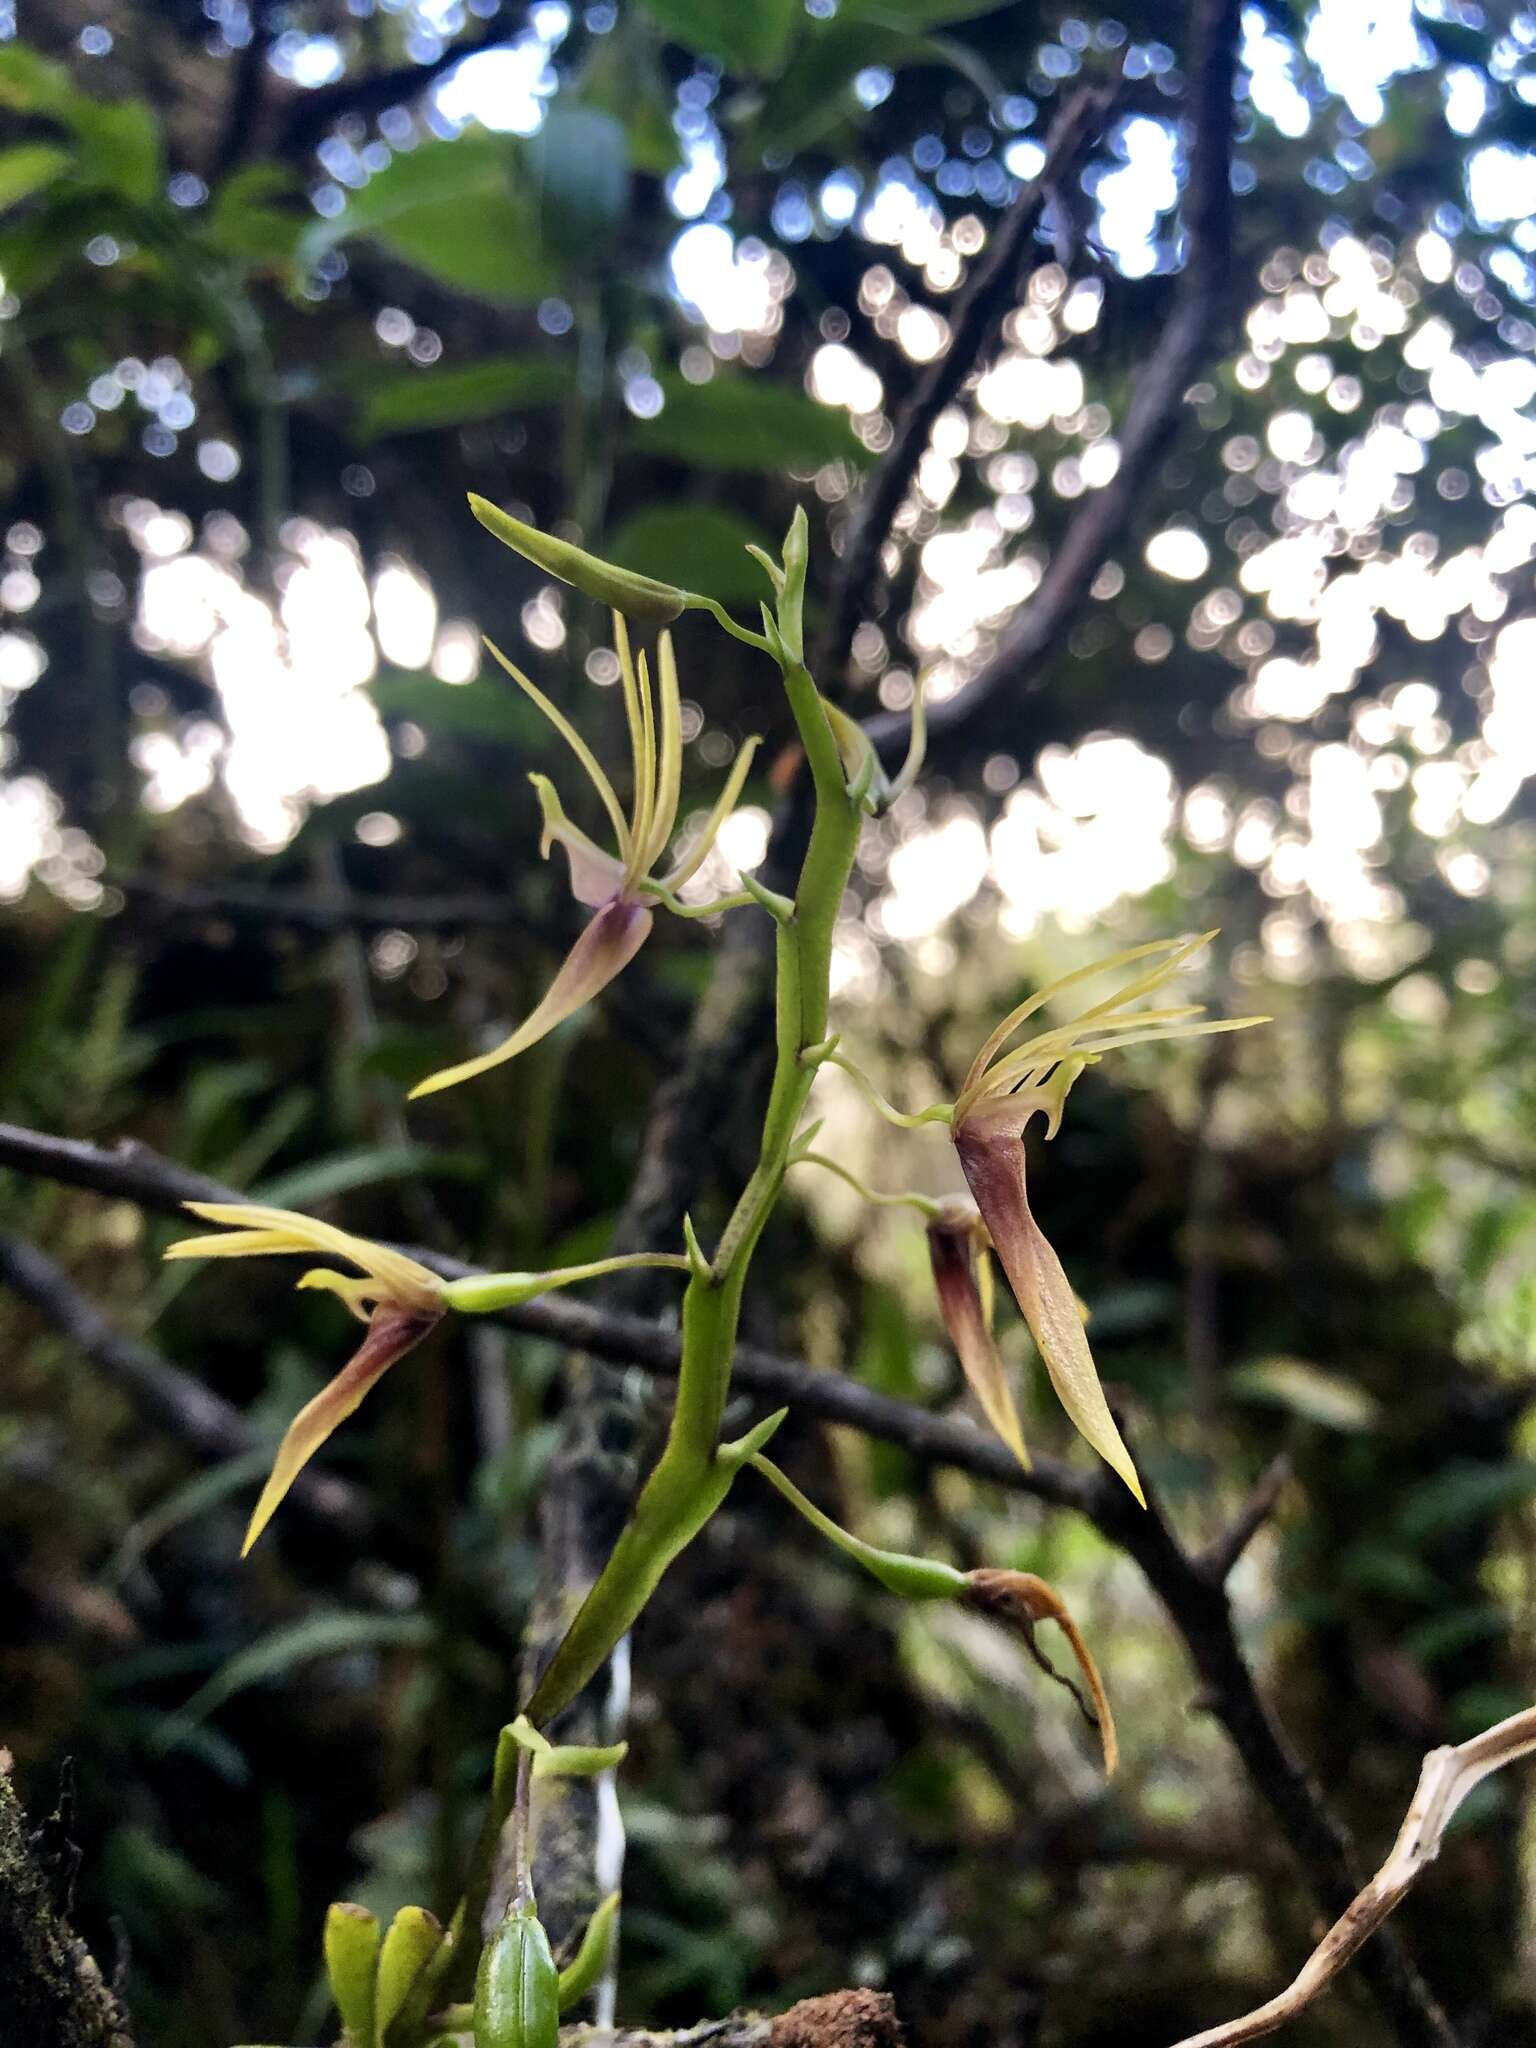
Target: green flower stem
{"type": "Point", "coordinates": [483, 1293]}
{"type": "Point", "coordinates": [695, 1471]}
{"type": "Point", "coordinates": [912, 1578]}
{"type": "Point", "coordinates": [925, 1205]}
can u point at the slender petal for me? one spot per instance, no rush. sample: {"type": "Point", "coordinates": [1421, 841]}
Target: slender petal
{"type": "Point", "coordinates": [669, 757]}
{"type": "Point", "coordinates": [724, 804]}
{"type": "Point", "coordinates": [992, 1159]}
{"type": "Point", "coordinates": [604, 950]}
{"type": "Point", "coordinates": [392, 1332]}
{"type": "Point", "coordinates": [574, 741]}
{"type": "Point", "coordinates": [952, 1251]}
{"type": "Point", "coordinates": [255, 1229]}
{"type": "Point", "coordinates": [596, 877]}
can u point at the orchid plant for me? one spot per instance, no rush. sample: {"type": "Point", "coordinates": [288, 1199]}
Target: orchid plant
{"type": "Point", "coordinates": [491, 1974]}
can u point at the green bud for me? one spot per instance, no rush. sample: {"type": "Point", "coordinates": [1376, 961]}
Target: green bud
{"type": "Point", "coordinates": [640, 598]}
{"type": "Point", "coordinates": [517, 1988]}
{"type": "Point", "coordinates": [797, 554]}
{"type": "Point", "coordinates": [414, 1938]}
{"type": "Point", "coordinates": [578, 1760]}
{"type": "Point", "coordinates": [591, 1959]}
{"type": "Point", "coordinates": [351, 1959]}
{"type": "Point", "coordinates": [911, 1578]}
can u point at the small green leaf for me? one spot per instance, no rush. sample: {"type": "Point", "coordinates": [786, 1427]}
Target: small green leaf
{"type": "Point", "coordinates": [1307, 1391]}
{"type": "Point", "coordinates": [702, 547]}
{"type": "Point", "coordinates": [579, 162]}
{"type": "Point", "coordinates": [746, 422]}
{"type": "Point", "coordinates": [413, 401]}
{"type": "Point", "coordinates": [453, 210]}
{"type": "Point", "coordinates": [751, 36]}
{"type": "Point", "coordinates": [28, 168]}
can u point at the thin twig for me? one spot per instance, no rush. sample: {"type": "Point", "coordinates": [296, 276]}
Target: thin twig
{"type": "Point", "coordinates": [1220, 1559]}
{"type": "Point", "coordinates": [990, 292]}
{"type": "Point", "coordinates": [370, 92]}
{"type": "Point", "coordinates": [1447, 1777]}
{"type": "Point", "coordinates": [1190, 338]}
{"type": "Point", "coordinates": [191, 1412]}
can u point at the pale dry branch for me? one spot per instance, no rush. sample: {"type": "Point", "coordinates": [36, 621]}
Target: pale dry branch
{"type": "Point", "coordinates": [1448, 1775]}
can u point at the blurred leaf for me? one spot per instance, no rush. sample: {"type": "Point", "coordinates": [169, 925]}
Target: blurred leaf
{"type": "Point", "coordinates": [27, 168]}
{"type": "Point", "coordinates": [1443, 1635]}
{"type": "Point", "coordinates": [453, 210]}
{"type": "Point", "coordinates": [1464, 1493]}
{"type": "Point", "coordinates": [746, 35]}
{"type": "Point", "coordinates": [367, 1167]}
{"type": "Point", "coordinates": [701, 547]}
{"type": "Point", "coordinates": [242, 224]}
{"type": "Point", "coordinates": [579, 162]}
{"type": "Point", "coordinates": [1306, 1390]}
{"type": "Point", "coordinates": [746, 422]}
{"type": "Point", "coordinates": [916, 15]}
{"type": "Point", "coordinates": [301, 1642]}
{"type": "Point", "coordinates": [480, 710]}
{"type": "Point", "coordinates": [119, 147]}
{"type": "Point", "coordinates": [817, 87]}
{"type": "Point", "coordinates": [412, 401]}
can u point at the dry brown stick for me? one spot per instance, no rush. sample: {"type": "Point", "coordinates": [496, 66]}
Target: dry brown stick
{"type": "Point", "coordinates": [1447, 1777]}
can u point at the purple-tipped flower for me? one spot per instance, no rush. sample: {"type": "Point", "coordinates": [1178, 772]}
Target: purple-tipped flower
{"type": "Point", "coordinates": [620, 887]}
{"type": "Point", "coordinates": [1002, 1091]}
{"type": "Point", "coordinates": [958, 1251]}
{"type": "Point", "coordinates": [399, 1301]}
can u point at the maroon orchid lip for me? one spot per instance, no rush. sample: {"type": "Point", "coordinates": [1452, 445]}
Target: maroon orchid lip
{"type": "Point", "coordinates": [953, 1252]}
{"type": "Point", "coordinates": [992, 1160]}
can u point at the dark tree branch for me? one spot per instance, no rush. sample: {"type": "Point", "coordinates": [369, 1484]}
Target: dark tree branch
{"type": "Point", "coordinates": [368, 94]}
{"type": "Point", "coordinates": [162, 1394]}
{"type": "Point", "coordinates": [1191, 338]}
{"type": "Point", "coordinates": [990, 293]}
{"type": "Point", "coordinates": [342, 912]}
{"type": "Point", "coordinates": [1194, 1596]}
{"type": "Point", "coordinates": [1220, 1560]}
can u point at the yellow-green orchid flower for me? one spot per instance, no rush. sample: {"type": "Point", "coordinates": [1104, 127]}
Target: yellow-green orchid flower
{"type": "Point", "coordinates": [399, 1301]}
{"type": "Point", "coordinates": [620, 887]}
{"type": "Point", "coordinates": [1002, 1091]}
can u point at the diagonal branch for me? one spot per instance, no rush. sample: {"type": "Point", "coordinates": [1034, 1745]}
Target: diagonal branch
{"type": "Point", "coordinates": [1194, 1596]}
{"type": "Point", "coordinates": [1447, 1777]}
{"type": "Point", "coordinates": [1189, 340]}
{"type": "Point", "coordinates": [992, 290]}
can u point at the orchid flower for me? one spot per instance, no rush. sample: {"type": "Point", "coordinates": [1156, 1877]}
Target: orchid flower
{"type": "Point", "coordinates": [620, 887]}
{"type": "Point", "coordinates": [959, 1254]}
{"type": "Point", "coordinates": [1001, 1092]}
{"type": "Point", "coordinates": [399, 1301]}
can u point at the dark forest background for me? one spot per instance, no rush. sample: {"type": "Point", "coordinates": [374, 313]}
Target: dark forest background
{"type": "Point", "coordinates": [1206, 510]}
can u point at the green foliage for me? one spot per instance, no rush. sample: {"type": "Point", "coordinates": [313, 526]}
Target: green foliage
{"type": "Point", "coordinates": [744, 423]}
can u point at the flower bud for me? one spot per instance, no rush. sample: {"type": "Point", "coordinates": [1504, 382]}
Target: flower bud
{"type": "Point", "coordinates": [639, 597]}
{"type": "Point", "coordinates": [414, 1938]}
{"type": "Point", "coordinates": [1019, 1600]}
{"type": "Point", "coordinates": [351, 1946]}
{"type": "Point", "coordinates": [517, 1988]}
